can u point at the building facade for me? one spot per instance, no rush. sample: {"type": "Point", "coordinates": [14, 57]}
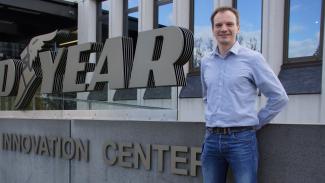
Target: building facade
{"type": "Point", "coordinates": [155, 134]}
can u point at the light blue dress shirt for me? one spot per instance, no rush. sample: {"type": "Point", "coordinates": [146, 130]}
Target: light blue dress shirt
{"type": "Point", "coordinates": [229, 87]}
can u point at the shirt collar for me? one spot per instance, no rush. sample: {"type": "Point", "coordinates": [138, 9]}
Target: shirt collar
{"type": "Point", "coordinates": [234, 49]}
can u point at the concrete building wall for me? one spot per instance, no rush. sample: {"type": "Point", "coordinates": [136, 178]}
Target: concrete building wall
{"type": "Point", "coordinates": [285, 154]}
{"type": "Point", "coordinates": [17, 166]}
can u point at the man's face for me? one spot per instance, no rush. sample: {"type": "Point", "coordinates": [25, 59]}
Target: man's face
{"type": "Point", "coordinates": [225, 28]}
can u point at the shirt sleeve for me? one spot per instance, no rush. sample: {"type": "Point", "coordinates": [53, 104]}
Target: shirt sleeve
{"type": "Point", "coordinates": [204, 86]}
{"type": "Point", "coordinates": [271, 87]}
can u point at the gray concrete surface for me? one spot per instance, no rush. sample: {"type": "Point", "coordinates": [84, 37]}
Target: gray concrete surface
{"type": "Point", "coordinates": [288, 153]}
{"type": "Point", "coordinates": [18, 167]}
{"type": "Point", "coordinates": [163, 133]}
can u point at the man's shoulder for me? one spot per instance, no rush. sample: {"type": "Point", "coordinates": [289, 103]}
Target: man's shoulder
{"type": "Point", "coordinates": [245, 50]}
{"type": "Point", "coordinates": [252, 54]}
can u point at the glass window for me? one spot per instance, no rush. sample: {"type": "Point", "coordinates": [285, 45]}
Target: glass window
{"type": "Point", "coordinates": [303, 32]}
{"type": "Point", "coordinates": [104, 21]}
{"type": "Point", "coordinates": [250, 23]}
{"type": "Point", "coordinates": [105, 98]}
{"type": "Point", "coordinates": [105, 5]}
{"type": "Point", "coordinates": [132, 15]}
{"type": "Point", "coordinates": [14, 41]}
{"type": "Point", "coordinates": [133, 3]}
{"type": "Point", "coordinates": [203, 39]}
{"type": "Point", "coordinates": [164, 13]}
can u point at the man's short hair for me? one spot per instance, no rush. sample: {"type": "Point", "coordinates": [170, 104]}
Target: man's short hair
{"type": "Point", "coordinates": [223, 9]}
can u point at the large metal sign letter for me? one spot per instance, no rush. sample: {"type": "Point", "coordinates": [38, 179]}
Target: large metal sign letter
{"type": "Point", "coordinates": [114, 65]}
{"type": "Point", "coordinates": [78, 65]}
{"type": "Point", "coordinates": [53, 71]}
{"type": "Point", "coordinates": [10, 71]}
{"type": "Point", "coordinates": [160, 56]}
{"type": "Point", "coordinates": [31, 74]}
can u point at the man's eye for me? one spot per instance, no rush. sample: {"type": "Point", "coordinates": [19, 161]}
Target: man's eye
{"type": "Point", "coordinates": [218, 25]}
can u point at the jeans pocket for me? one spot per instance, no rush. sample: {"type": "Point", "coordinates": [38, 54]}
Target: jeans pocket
{"type": "Point", "coordinates": [244, 136]}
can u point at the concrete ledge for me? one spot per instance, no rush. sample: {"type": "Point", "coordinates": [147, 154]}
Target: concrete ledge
{"type": "Point", "coordinates": [116, 114]}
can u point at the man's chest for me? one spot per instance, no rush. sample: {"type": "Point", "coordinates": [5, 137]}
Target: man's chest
{"type": "Point", "coordinates": [229, 74]}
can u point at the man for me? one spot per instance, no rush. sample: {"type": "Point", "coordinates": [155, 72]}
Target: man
{"type": "Point", "coordinates": [230, 78]}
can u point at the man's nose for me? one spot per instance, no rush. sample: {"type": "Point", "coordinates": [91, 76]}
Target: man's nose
{"type": "Point", "coordinates": [223, 28]}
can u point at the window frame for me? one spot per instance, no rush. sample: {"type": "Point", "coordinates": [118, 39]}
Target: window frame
{"type": "Point", "coordinates": [305, 60]}
{"type": "Point", "coordinates": [156, 5]}
{"type": "Point", "coordinates": [192, 70]}
{"type": "Point", "coordinates": [126, 12]}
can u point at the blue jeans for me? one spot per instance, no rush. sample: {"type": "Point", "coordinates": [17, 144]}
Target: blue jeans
{"type": "Point", "coordinates": [238, 150]}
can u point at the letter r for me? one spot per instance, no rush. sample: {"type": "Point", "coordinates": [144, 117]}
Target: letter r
{"type": "Point", "coordinates": [160, 56]}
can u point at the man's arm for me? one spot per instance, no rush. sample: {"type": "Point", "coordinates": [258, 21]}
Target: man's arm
{"type": "Point", "coordinates": [271, 87]}
{"type": "Point", "coordinates": [204, 87]}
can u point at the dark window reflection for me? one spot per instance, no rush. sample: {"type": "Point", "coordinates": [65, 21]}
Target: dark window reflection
{"type": "Point", "coordinates": [203, 40]}
{"type": "Point", "coordinates": [165, 14]}
{"type": "Point", "coordinates": [250, 34]}
{"type": "Point", "coordinates": [304, 28]}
